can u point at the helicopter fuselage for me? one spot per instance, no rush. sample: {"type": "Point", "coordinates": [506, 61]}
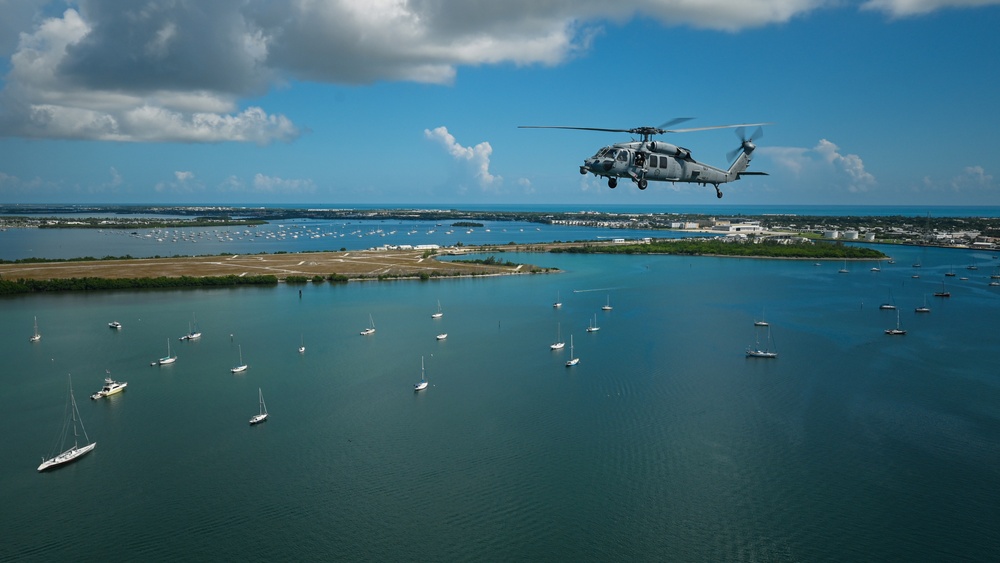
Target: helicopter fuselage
{"type": "Point", "coordinates": [659, 162]}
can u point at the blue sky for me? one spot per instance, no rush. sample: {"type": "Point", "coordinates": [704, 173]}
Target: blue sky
{"type": "Point", "coordinates": [237, 102]}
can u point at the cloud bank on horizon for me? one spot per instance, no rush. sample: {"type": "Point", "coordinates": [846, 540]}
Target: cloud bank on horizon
{"type": "Point", "coordinates": [185, 71]}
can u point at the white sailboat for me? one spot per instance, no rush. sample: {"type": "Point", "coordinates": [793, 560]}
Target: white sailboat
{"type": "Point", "coordinates": [844, 270]}
{"type": "Point", "coordinates": [240, 366]}
{"type": "Point", "coordinates": [168, 359]}
{"type": "Point", "coordinates": [68, 455]}
{"type": "Point", "coordinates": [608, 306]}
{"type": "Point", "coordinates": [593, 326]}
{"type": "Point", "coordinates": [761, 322]}
{"type": "Point", "coordinates": [439, 314]}
{"type": "Point", "coordinates": [423, 380]}
{"type": "Point", "coordinates": [923, 308]}
{"type": "Point", "coordinates": [898, 330]}
{"type": "Point", "coordinates": [371, 327]}
{"type": "Point", "coordinates": [888, 305]}
{"type": "Point", "coordinates": [558, 344]}
{"type": "Point", "coordinates": [302, 344]}
{"type": "Point", "coordinates": [573, 360]}
{"type": "Point", "coordinates": [756, 352]}
{"type": "Point", "coordinates": [37, 335]}
{"type": "Point", "coordinates": [558, 302]}
{"type": "Point", "coordinates": [261, 416]}
{"type": "Point", "coordinates": [193, 333]}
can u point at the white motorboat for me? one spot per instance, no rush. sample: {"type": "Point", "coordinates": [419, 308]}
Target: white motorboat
{"type": "Point", "coordinates": [110, 388]}
{"type": "Point", "coordinates": [115, 325]}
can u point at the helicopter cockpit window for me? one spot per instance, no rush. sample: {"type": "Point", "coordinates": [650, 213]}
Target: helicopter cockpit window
{"type": "Point", "coordinates": [623, 156]}
{"type": "Point", "coordinates": [601, 153]}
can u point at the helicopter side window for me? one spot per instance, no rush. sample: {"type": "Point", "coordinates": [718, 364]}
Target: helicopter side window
{"type": "Point", "coordinates": [654, 161]}
{"type": "Point", "coordinates": [623, 156]}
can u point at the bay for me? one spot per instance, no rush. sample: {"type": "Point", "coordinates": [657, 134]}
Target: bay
{"type": "Point", "coordinates": [664, 443]}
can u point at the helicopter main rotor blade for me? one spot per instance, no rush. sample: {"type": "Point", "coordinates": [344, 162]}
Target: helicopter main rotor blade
{"type": "Point", "coordinates": [674, 121]}
{"type": "Point", "coordinates": [576, 128]}
{"type": "Point", "coordinates": [715, 127]}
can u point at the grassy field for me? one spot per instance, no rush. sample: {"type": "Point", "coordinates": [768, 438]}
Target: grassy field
{"type": "Point", "coordinates": [355, 264]}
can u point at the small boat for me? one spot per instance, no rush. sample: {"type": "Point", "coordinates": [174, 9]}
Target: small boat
{"type": "Point", "coordinates": [442, 336]}
{"type": "Point", "coordinates": [573, 360]}
{"type": "Point", "coordinates": [593, 327]}
{"type": "Point", "coordinates": [240, 367]}
{"type": "Point", "coordinates": [302, 345]}
{"type": "Point", "coordinates": [943, 292]}
{"type": "Point", "coordinates": [756, 352]}
{"type": "Point", "coordinates": [888, 305]}
{"type": "Point", "coordinates": [877, 268]}
{"type": "Point", "coordinates": [844, 270]}
{"type": "Point", "coordinates": [168, 359]}
{"type": "Point", "coordinates": [115, 325]}
{"type": "Point", "coordinates": [558, 344]}
{"type": "Point", "coordinates": [110, 388]}
{"type": "Point", "coordinates": [72, 416]}
{"type": "Point", "coordinates": [898, 330]}
{"type": "Point", "coordinates": [261, 416]}
{"type": "Point", "coordinates": [371, 327]}
{"type": "Point", "coordinates": [439, 314]}
{"type": "Point", "coordinates": [923, 308]}
{"type": "Point", "coordinates": [37, 335]}
{"type": "Point", "coordinates": [423, 380]}
{"type": "Point", "coordinates": [761, 322]}
{"type": "Point", "coordinates": [608, 306]}
{"type": "Point", "coordinates": [192, 333]}
{"type": "Point", "coordinates": [558, 303]}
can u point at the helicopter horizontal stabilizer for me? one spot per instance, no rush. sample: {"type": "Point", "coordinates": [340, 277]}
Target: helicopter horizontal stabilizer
{"type": "Point", "coordinates": [754, 174]}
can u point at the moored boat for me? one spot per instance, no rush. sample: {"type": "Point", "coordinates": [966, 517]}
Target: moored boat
{"type": "Point", "coordinates": [110, 388]}
{"type": "Point", "coordinates": [76, 450]}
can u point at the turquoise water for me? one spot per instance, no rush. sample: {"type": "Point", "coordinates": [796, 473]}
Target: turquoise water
{"type": "Point", "coordinates": [664, 444]}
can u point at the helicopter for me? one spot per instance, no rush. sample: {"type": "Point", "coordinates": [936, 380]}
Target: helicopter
{"type": "Point", "coordinates": [647, 160]}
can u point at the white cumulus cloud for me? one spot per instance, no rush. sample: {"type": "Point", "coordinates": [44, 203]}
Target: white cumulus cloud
{"type": "Point", "coordinates": [47, 97]}
{"type": "Point", "coordinates": [477, 157]}
{"type": "Point", "coordinates": [824, 163]}
{"type": "Point", "coordinates": [906, 8]}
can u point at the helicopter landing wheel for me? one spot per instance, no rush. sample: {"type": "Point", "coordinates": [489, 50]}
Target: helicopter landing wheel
{"type": "Point", "coordinates": [642, 184]}
{"type": "Point", "coordinates": [612, 183]}
{"type": "Point", "coordinates": [718, 192]}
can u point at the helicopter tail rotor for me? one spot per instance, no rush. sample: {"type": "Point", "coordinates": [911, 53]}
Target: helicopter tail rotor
{"type": "Point", "coordinates": [746, 143]}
